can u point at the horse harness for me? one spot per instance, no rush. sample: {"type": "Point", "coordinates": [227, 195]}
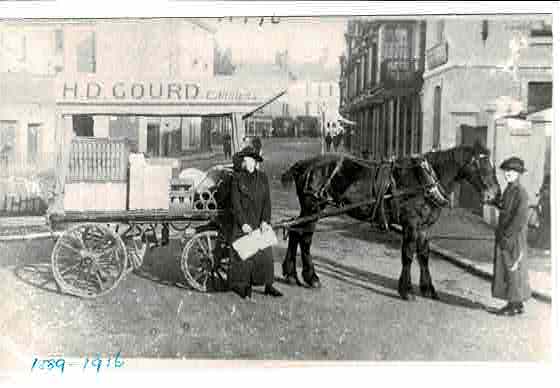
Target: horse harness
{"type": "Point", "coordinates": [387, 187]}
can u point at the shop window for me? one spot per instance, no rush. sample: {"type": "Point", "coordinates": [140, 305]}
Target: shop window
{"type": "Point", "coordinates": [539, 96]}
{"type": "Point", "coordinates": [437, 118]}
{"type": "Point", "coordinates": [86, 54]}
{"type": "Point", "coordinates": [419, 123]}
{"type": "Point", "coordinates": [23, 57]}
{"type": "Point", "coordinates": [83, 125]}
{"type": "Point", "coordinates": [58, 41]}
{"type": "Point", "coordinates": [541, 29]}
{"type": "Point", "coordinates": [440, 31]}
{"type": "Point", "coordinates": [358, 77]}
{"type": "Point", "coordinates": [32, 142]}
{"type": "Point", "coordinates": [374, 64]}
{"type": "Point", "coordinates": [397, 42]}
{"type": "Point", "coordinates": [7, 143]}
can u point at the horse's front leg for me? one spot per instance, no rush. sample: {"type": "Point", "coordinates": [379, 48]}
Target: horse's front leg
{"type": "Point", "coordinates": [423, 251]}
{"type": "Point", "coordinates": [407, 254]}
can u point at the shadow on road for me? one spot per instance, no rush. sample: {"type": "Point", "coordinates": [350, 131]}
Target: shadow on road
{"type": "Point", "coordinates": [38, 275]}
{"type": "Point", "coordinates": [162, 265]}
{"type": "Point", "coordinates": [365, 280]}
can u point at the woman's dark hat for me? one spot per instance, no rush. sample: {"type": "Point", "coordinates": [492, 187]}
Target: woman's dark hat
{"type": "Point", "coordinates": [514, 163]}
{"type": "Point", "coordinates": [250, 152]}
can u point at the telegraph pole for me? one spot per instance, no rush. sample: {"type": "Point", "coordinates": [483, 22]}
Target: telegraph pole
{"type": "Point", "coordinates": [322, 111]}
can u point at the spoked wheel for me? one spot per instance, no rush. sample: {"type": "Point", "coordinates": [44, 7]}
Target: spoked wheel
{"type": "Point", "coordinates": [89, 260]}
{"type": "Point", "coordinates": [205, 261]}
{"type": "Point", "coordinates": [134, 241]}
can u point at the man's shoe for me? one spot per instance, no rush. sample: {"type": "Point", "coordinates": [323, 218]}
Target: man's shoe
{"type": "Point", "coordinates": [314, 283]}
{"type": "Point", "coordinates": [270, 290]}
{"type": "Point", "coordinates": [508, 310]}
{"type": "Point", "coordinates": [518, 309]}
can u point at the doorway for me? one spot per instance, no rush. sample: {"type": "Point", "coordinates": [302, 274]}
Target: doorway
{"type": "Point", "coordinates": [469, 198]}
{"type": "Point", "coordinates": [152, 146]}
{"type": "Point", "coordinates": [32, 142]}
{"type": "Point", "coordinates": [83, 125]}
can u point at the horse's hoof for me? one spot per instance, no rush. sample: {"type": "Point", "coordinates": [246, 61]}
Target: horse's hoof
{"type": "Point", "coordinates": [292, 280]}
{"type": "Point", "coordinates": [435, 296]}
{"type": "Point", "coordinates": [314, 284]}
{"type": "Point", "coordinates": [406, 296]}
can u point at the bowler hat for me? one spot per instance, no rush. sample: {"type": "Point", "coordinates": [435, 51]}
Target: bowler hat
{"type": "Point", "coordinates": [250, 152]}
{"type": "Point", "coordinates": [514, 163]}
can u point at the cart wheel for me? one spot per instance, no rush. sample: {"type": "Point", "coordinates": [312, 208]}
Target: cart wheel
{"type": "Point", "coordinates": [205, 261]}
{"type": "Point", "coordinates": [134, 242]}
{"type": "Point", "coordinates": [88, 260]}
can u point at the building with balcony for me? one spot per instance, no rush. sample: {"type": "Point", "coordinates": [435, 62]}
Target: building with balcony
{"type": "Point", "coordinates": [380, 84]}
{"type": "Point", "coordinates": [483, 76]}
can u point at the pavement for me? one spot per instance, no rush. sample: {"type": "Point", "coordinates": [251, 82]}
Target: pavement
{"type": "Point", "coordinates": [477, 256]}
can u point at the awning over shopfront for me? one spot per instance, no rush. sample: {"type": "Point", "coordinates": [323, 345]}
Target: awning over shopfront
{"type": "Point", "coordinates": [213, 96]}
{"type": "Point", "coordinates": [235, 97]}
{"type": "Point", "coordinates": [343, 120]}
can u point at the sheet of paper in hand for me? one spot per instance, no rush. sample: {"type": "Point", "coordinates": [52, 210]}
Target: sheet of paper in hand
{"type": "Point", "coordinates": [253, 242]}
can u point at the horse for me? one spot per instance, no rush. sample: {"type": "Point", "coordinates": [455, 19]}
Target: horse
{"type": "Point", "coordinates": [413, 188]}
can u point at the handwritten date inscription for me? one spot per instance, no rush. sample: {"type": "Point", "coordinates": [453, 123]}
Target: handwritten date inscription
{"type": "Point", "coordinates": [96, 363]}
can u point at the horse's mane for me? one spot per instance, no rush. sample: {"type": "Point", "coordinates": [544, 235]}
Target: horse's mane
{"type": "Point", "coordinates": [459, 154]}
{"type": "Point", "coordinates": [314, 162]}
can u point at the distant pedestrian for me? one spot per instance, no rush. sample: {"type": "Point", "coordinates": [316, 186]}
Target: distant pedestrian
{"type": "Point", "coordinates": [511, 277]}
{"type": "Point", "coordinates": [328, 141]}
{"type": "Point", "coordinates": [348, 140]}
{"type": "Point", "coordinates": [544, 223]}
{"type": "Point", "coordinates": [226, 141]}
{"type": "Point", "coordinates": [336, 140]}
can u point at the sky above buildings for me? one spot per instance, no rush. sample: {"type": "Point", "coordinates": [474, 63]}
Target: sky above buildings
{"type": "Point", "coordinates": [306, 39]}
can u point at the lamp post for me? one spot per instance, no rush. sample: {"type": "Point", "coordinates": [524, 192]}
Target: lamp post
{"type": "Point", "coordinates": [322, 112]}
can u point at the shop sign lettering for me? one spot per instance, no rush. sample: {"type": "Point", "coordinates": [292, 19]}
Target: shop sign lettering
{"type": "Point", "coordinates": [150, 91]}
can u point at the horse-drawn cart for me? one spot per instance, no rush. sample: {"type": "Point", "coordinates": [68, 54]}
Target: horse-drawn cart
{"type": "Point", "coordinates": [97, 244]}
{"type": "Point", "coordinates": [96, 248]}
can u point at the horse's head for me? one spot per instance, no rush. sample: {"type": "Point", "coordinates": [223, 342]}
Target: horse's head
{"type": "Point", "coordinates": [480, 173]}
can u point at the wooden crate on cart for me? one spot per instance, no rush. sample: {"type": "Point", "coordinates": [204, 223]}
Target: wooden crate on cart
{"type": "Point", "coordinates": [96, 175]}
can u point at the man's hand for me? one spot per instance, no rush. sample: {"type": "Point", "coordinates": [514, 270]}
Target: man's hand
{"type": "Point", "coordinates": [515, 265]}
{"type": "Point", "coordinates": [246, 228]}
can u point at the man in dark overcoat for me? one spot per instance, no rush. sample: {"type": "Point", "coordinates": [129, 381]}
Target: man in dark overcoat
{"type": "Point", "coordinates": [328, 140]}
{"type": "Point", "coordinates": [511, 276]}
{"type": "Point", "coordinates": [251, 209]}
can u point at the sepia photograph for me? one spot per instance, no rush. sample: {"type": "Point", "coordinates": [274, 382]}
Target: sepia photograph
{"type": "Point", "coordinates": [351, 187]}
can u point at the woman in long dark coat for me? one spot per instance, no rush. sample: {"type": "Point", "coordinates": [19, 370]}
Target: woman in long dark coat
{"type": "Point", "coordinates": [251, 208]}
{"type": "Point", "coordinates": [511, 276]}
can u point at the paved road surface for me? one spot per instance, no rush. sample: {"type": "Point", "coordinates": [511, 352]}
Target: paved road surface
{"type": "Point", "coordinates": [357, 315]}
